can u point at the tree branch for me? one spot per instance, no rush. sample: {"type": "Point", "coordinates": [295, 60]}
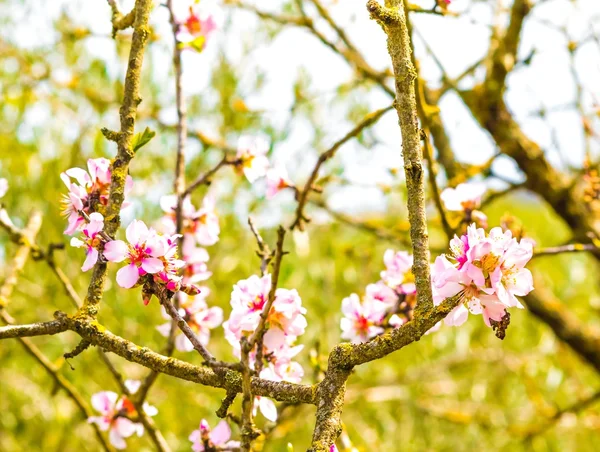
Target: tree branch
{"type": "Point", "coordinates": [120, 165]}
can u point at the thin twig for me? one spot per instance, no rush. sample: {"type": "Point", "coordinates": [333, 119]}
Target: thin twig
{"type": "Point", "coordinates": [570, 248]}
{"type": "Point", "coordinates": [206, 177]}
{"type": "Point", "coordinates": [302, 195]}
{"type": "Point", "coordinates": [263, 252]}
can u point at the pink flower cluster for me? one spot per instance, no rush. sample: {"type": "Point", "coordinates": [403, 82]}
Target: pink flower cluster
{"type": "Point", "coordinates": [252, 161]}
{"type": "Point", "coordinates": [486, 270]}
{"type": "Point", "coordinates": [200, 318]}
{"type": "Point", "coordinates": [200, 228]}
{"type": "Point", "coordinates": [205, 439]}
{"type": "Point", "coordinates": [386, 304]}
{"type": "Point", "coordinates": [89, 192]}
{"type": "Point", "coordinates": [146, 252]}
{"type": "Point", "coordinates": [286, 321]}
{"type": "Point", "coordinates": [117, 414]}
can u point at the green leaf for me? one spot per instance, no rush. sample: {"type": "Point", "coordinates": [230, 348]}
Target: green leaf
{"type": "Point", "coordinates": [141, 139]}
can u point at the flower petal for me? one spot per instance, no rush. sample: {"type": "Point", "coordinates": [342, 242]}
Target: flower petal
{"type": "Point", "coordinates": [152, 265]}
{"type": "Point", "coordinates": [128, 276]}
{"type": "Point", "coordinates": [116, 251]}
{"type": "Point", "coordinates": [90, 260]}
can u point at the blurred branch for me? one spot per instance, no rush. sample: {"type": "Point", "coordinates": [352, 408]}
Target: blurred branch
{"type": "Point", "coordinates": [26, 238]}
{"type": "Point", "coordinates": [205, 179]}
{"type": "Point", "coordinates": [576, 407]}
{"type": "Point", "coordinates": [566, 326]}
{"type": "Point", "coordinates": [179, 184]}
{"type": "Point", "coordinates": [302, 195]}
{"type": "Point", "coordinates": [119, 20]}
{"type": "Point", "coordinates": [570, 248]}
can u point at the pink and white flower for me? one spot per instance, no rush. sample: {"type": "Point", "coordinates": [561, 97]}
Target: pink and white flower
{"type": "Point", "coordinates": [253, 161]}
{"type": "Point", "coordinates": [201, 225]}
{"type": "Point", "coordinates": [200, 318]}
{"type": "Point", "coordinates": [464, 197]}
{"type": "Point", "coordinates": [383, 293]}
{"type": "Point", "coordinates": [142, 254]}
{"type": "Point", "coordinates": [248, 300]}
{"type": "Point", "coordinates": [487, 270]}
{"type": "Point", "coordinates": [88, 192]}
{"type": "Point", "coordinates": [219, 437]}
{"type": "Point", "coordinates": [195, 28]}
{"type": "Point", "coordinates": [195, 259]}
{"type": "Point", "coordinates": [361, 321]}
{"type": "Point", "coordinates": [398, 271]}
{"type": "Point", "coordinates": [116, 413]}
{"type": "Point", "coordinates": [277, 180]}
{"type": "Point", "coordinates": [92, 240]}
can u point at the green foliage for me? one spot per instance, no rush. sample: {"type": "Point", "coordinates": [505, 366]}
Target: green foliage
{"type": "Point", "coordinates": [141, 139]}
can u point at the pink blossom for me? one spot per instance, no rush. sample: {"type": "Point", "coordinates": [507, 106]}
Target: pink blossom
{"type": "Point", "coordinates": [219, 437]}
{"type": "Point", "coordinates": [488, 272]}
{"type": "Point", "coordinates": [248, 300]}
{"type": "Point", "coordinates": [169, 275]}
{"type": "Point", "coordinates": [333, 448]}
{"type": "Point", "coordinates": [383, 293]}
{"type": "Point", "coordinates": [283, 370]}
{"type": "Point", "coordinates": [88, 192]}
{"type": "Point", "coordinates": [195, 28]}
{"type": "Point", "coordinates": [200, 318]}
{"type": "Point", "coordinates": [201, 225]}
{"type": "Point", "coordinates": [277, 180]}
{"type": "Point", "coordinates": [285, 321]}
{"type": "Point", "coordinates": [195, 259]}
{"type": "Point", "coordinates": [141, 254]}
{"type": "Point", "coordinates": [361, 321]}
{"type": "Point", "coordinates": [91, 240]}
{"type": "Point", "coordinates": [398, 271]}
{"type": "Point", "coordinates": [464, 197]}
{"type": "Point", "coordinates": [3, 187]}
{"type": "Point", "coordinates": [115, 415]}
{"type": "Point", "coordinates": [252, 157]}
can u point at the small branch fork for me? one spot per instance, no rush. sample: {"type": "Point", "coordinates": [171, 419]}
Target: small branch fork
{"type": "Point", "coordinates": [302, 195]}
{"type": "Point", "coordinates": [249, 431]}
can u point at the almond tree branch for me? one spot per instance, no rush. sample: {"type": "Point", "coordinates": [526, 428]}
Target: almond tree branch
{"type": "Point", "coordinates": [120, 165]}
{"type": "Point", "coordinates": [570, 248]}
{"type": "Point", "coordinates": [249, 432]}
{"type": "Point", "coordinates": [330, 392]}
{"type": "Point", "coordinates": [393, 21]}
{"type": "Point", "coordinates": [119, 20]}
{"type": "Point", "coordinates": [179, 184]}
{"type": "Point", "coordinates": [99, 336]}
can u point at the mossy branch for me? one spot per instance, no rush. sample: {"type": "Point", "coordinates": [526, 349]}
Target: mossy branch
{"type": "Point", "coordinates": [120, 165]}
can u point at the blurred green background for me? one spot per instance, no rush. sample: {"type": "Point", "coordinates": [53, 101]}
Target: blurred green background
{"type": "Point", "coordinates": [458, 389]}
